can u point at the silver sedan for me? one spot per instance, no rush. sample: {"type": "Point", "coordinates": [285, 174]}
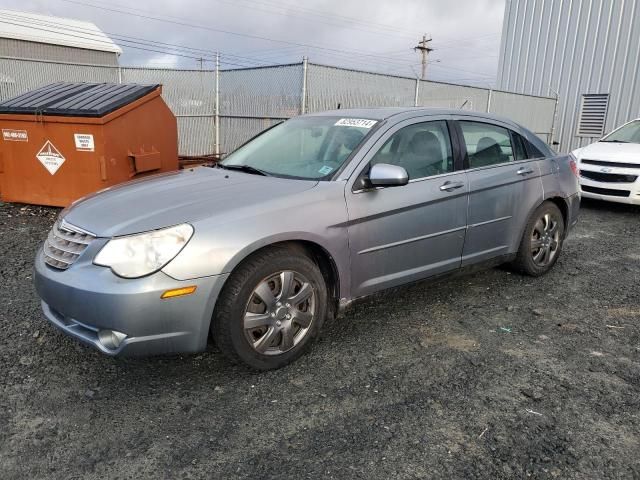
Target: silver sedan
{"type": "Point", "coordinates": [297, 224]}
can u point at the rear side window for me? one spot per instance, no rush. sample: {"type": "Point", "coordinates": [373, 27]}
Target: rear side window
{"type": "Point", "coordinates": [422, 149]}
{"type": "Point", "coordinates": [487, 144]}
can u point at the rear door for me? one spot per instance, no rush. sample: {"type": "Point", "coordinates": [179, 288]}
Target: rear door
{"type": "Point", "coordinates": [401, 234]}
{"type": "Point", "coordinates": [503, 187]}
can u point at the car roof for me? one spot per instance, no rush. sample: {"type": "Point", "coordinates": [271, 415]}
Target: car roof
{"type": "Point", "coordinates": [398, 114]}
{"type": "Point", "coordinates": [384, 113]}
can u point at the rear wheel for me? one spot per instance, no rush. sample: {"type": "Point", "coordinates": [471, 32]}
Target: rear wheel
{"type": "Point", "coordinates": [541, 243]}
{"type": "Point", "coordinates": [271, 308]}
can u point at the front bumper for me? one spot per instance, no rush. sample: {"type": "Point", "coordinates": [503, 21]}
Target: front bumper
{"type": "Point", "coordinates": [610, 191]}
{"type": "Point", "coordinates": [86, 299]}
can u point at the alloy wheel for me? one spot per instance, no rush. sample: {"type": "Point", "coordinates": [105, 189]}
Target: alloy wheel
{"type": "Point", "coordinates": [279, 313]}
{"type": "Point", "coordinates": [545, 240]}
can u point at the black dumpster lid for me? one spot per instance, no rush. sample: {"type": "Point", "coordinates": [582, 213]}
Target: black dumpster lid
{"type": "Point", "coordinates": [76, 99]}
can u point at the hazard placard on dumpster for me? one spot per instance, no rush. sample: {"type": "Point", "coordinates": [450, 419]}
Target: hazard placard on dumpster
{"type": "Point", "coordinates": [50, 157]}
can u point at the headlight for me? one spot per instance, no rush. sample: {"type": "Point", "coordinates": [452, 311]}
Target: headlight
{"type": "Point", "coordinates": [139, 255]}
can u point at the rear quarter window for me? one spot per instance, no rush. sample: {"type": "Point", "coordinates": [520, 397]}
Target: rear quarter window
{"type": "Point", "coordinates": [533, 151]}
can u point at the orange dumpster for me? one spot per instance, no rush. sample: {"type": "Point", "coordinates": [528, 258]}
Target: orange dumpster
{"type": "Point", "coordinates": [66, 140]}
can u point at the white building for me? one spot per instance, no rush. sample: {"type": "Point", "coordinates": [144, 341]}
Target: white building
{"type": "Point", "coordinates": [41, 37]}
{"type": "Point", "coordinates": [585, 52]}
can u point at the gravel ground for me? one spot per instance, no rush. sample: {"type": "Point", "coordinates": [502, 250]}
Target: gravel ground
{"type": "Point", "coordinates": [492, 375]}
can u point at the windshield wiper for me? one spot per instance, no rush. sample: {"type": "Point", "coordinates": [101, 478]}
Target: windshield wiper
{"type": "Point", "coordinates": [615, 141]}
{"type": "Point", "coordinates": [243, 168]}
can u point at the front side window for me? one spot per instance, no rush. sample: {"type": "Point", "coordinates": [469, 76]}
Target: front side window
{"type": "Point", "coordinates": [310, 148]}
{"type": "Point", "coordinates": [422, 149]}
{"type": "Point", "coordinates": [487, 144]}
{"type": "Point", "coordinates": [629, 133]}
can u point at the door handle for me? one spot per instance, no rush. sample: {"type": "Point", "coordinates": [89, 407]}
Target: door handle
{"type": "Point", "coordinates": [450, 186]}
{"type": "Point", "coordinates": [524, 171]}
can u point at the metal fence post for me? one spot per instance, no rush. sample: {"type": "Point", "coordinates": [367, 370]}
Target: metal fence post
{"type": "Point", "coordinates": [555, 117]}
{"type": "Point", "coordinates": [415, 99]}
{"type": "Point", "coordinates": [489, 97]}
{"type": "Point", "coordinates": [119, 74]}
{"type": "Point", "coordinates": [303, 99]}
{"type": "Point", "coordinates": [216, 119]}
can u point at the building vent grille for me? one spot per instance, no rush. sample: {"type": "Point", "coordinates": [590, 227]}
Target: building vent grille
{"type": "Point", "coordinates": [593, 115]}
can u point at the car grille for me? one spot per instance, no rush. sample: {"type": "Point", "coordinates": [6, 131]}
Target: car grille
{"type": "Point", "coordinates": [64, 245]}
{"type": "Point", "coordinates": [611, 164]}
{"type": "Point", "coordinates": [605, 191]}
{"type": "Point", "coordinates": [608, 177]}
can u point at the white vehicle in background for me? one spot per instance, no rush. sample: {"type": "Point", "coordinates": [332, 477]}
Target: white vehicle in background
{"type": "Point", "coordinates": [610, 168]}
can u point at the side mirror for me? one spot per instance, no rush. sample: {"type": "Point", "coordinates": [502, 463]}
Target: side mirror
{"type": "Point", "coordinates": [385, 175]}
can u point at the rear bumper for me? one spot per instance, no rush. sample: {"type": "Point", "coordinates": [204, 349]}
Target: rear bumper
{"type": "Point", "coordinates": [87, 302]}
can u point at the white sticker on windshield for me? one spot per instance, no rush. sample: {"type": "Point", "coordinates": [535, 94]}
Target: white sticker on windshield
{"type": "Point", "coordinates": [325, 170]}
{"type": "Point", "coordinates": [355, 122]}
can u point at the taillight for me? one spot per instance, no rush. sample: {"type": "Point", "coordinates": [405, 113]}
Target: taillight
{"type": "Point", "coordinates": [573, 164]}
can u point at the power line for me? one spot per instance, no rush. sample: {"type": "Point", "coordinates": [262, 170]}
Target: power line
{"type": "Point", "coordinates": [29, 21]}
{"type": "Point", "coordinates": [201, 55]}
{"type": "Point", "coordinates": [152, 46]}
{"type": "Point", "coordinates": [325, 14]}
{"type": "Point", "coordinates": [158, 47]}
{"type": "Point", "coordinates": [326, 19]}
{"type": "Point", "coordinates": [128, 41]}
{"type": "Point", "coordinates": [217, 30]}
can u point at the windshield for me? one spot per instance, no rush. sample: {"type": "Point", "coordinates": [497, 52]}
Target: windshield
{"type": "Point", "coordinates": [311, 148]}
{"type": "Point", "coordinates": [629, 133]}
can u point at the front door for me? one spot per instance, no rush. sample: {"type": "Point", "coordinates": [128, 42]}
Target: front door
{"type": "Point", "coordinates": [503, 187]}
{"type": "Point", "coordinates": [406, 233]}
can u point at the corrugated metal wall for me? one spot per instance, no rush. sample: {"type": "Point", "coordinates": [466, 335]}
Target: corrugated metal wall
{"type": "Point", "coordinates": [573, 47]}
{"type": "Point", "coordinates": [533, 112]}
{"type": "Point", "coordinates": [56, 53]}
{"type": "Point", "coordinates": [254, 99]}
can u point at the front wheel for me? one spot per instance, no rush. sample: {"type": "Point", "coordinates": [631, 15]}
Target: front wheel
{"type": "Point", "coordinates": [271, 308]}
{"type": "Point", "coordinates": [541, 243]}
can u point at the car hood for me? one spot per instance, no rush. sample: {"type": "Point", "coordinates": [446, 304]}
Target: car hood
{"type": "Point", "coordinates": [173, 198]}
{"type": "Point", "coordinates": [611, 152]}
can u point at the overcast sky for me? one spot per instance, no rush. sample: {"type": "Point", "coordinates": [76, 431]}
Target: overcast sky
{"type": "Point", "coordinates": [376, 35]}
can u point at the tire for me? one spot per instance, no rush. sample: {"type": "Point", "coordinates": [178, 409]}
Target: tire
{"type": "Point", "coordinates": [255, 323]}
{"type": "Point", "coordinates": [541, 242]}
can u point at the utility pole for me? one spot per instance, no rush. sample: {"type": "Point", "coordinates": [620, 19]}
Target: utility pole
{"type": "Point", "coordinates": [425, 50]}
{"type": "Point", "coordinates": [201, 62]}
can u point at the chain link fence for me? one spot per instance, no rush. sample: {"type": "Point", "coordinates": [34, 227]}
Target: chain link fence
{"type": "Point", "coordinates": [330, 88]}
{"type": "Point", "coordinates": [252, 99]}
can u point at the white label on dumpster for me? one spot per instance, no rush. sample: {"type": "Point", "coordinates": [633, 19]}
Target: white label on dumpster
{"type": "Point", "coordinates": [9, 135]}
{"type": "Point", "coordinates": [50, 157]}
{"type": "Point", "coordinates": [84, 142]}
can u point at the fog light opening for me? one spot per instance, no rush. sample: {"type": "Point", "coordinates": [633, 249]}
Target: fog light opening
{"type": "Point", "coordinates": [110, 338]}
